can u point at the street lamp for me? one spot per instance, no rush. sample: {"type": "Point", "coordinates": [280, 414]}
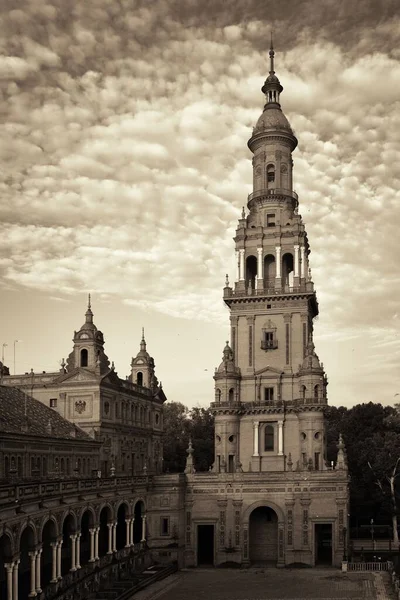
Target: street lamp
{"type": "Point", "coordinates": [15, 342]}
{"type": "Point", "coordinates": [2, 353]}
{"type": "Point", "coordinates": [372, 534]}
{"type": "Point", "coordinates": [2, 370]}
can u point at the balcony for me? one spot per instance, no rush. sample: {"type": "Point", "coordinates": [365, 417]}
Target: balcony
{"type": "Point", "coordinates": [303, 288]}
{"type": "Point", "coordinates": [272, 193]}
{"type": "Point", "coordinates": [269, 344]}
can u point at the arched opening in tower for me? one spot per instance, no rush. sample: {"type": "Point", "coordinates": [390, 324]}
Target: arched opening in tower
{"type": "Point", "coordinates": [251, 272]}
{"type": "Point", "coordinates": [269, 271]}
{"type": "Point", "coordinates": [139, 378]}
{"type": "Point", "coordinates": [84, 358]}
{"type": "Point", "coordinates": [263, 532]}
{"type": "Point", "coordinates": [270, 176]}
{"type": "Point", "coordinates": [287, 270]}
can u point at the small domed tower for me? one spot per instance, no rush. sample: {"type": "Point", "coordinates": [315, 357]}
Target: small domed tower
{"type": "Point", "coordinates": [142, 367]}
{"type": "Point", "coordinates": [226, 410]}
{"type": "Point", "coordinates": [312, 380]}
{"type": "Point", "coordinates": [88, 349]}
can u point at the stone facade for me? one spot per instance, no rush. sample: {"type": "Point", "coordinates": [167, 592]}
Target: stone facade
{"type": "Point", "coordinates": [124, 414]}
{"type": "Point", "coordinates": [271, 496]}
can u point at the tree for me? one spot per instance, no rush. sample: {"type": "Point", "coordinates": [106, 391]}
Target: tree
{"type": "Point", "coordinates": [179, 424]}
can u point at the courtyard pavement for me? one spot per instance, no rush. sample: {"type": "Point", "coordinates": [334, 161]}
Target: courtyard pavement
{"type": "Point", "coordinates": [269, 584]}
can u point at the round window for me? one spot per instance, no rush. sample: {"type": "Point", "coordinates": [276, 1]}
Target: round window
{"type": "Point", "coordinates": [231, 438]}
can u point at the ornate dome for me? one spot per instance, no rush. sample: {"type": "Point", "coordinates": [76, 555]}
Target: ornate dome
{"type": "Point", "coordinates": [272, 118]}
{"type": "Point", "coordinates": [227, 365]}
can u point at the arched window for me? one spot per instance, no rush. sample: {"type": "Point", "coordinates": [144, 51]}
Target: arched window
{"type": "Point", "coordinates": [251, 272]}
{"type": "Point", "coordinates": [62, 465]}
{"type": "Point", "coordinates": [303, 392]}
{"type": "Point", "coordinates": [6, 466]}
{"type": "Point", "coordinates": [270, 175]}
{"type": "Point", "coordinates": [116, 410]}
{"type": "Point", "coordinates": [269, 438]}
{"type": "Point", "coordinates": [316, 391]}
{"type": "Point", "coordinates": [84, 358]}
{"type": "Point", "coordinates": [32, 465]}
{"type": "Point", "coordinates": [218, 395]}
{"type": "Point", "coordinates": [231, 395]}
{"type": "Point", "coordinates": [139, 378]}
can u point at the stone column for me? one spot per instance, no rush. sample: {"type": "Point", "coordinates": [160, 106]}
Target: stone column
{"type": "Point", "coordinates": [110, 536]}
{"type": "Point", "coordinates": [280, 438]}
{"type": "Point", "coordinates": [96, 543]}
{"type": "Point", "coordinates": [237, 265]}
{"type": "Point", "coordinates": [15, 580]}
{"type": "Point", "coordinates": [54, 562]}
{"type": "Point", "coordinates": [241, 264]}
{"type": "Point", "coordinates": [38, 570]}
{"type": "Point", "coordinates": [78, 551]}
{"type": "Point", "coordinates": [143, 529]}
{"type": "Point", "coordinates": [256, 425]}
{"type": "Point", "coordinates": [132, 523]}
{"type": "Point", "coordinates": [278, 250]}
{"type": "Point", "coordinates": [59, 546]}
{"type": "Point", "coordinates": [260, 274]}
{"type": "Point", "coordinates": [32, 556]}
{"type": "Point", "coordinates": [296, 261]}
{"type": "Point", "coordinates": [92, 532]}
{"type": "Point", "coordinates": [302, 261]}
{"type": "Point", "coordinates": [9, 568]}
{"type": "Point", "coordinates": [73, 548]}
{"type": "Point", "coordinates": [114, 537]}
{"type": "Point", "coordinates": [128, 533]}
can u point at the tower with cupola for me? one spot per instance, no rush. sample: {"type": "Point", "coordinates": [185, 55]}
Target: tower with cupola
{"type": "Point", "coordinates": [270, 389]}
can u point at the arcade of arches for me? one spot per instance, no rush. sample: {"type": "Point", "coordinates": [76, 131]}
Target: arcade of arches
{"type": "Point", "coordinates": [42, 551]}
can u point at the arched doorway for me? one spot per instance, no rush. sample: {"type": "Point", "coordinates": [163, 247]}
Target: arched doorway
{"type": "Point", "coordinates": [49, 537]}
{"type": "Point", "coordinates": [251, 272]}
{"type": "Point", "coordinates": [5, 557]}
{"type": "Point", "coordinates": [137, 525]}
{"type": "Point", "coordinates": [287, 270]}
{"type": "Point", "coordinates": [122, 515]}
{"type": "Point", "coordinates": [26, 545]}
{"type": "Point", "coordinates": [269, 271]}
{"type": "Point", "coordinates": [87, 522]}
{"type": "Point", "coordinates": [105, 519]}
{"type": "Point", "coordinates": [263, 535]}
{"type": "Point", "coordinates": [66, 548]}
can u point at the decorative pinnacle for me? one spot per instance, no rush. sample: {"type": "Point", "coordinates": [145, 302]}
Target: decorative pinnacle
{"type": "Point", "coordinates": [89, 303]}
{"type": "Point", "coordinates": [143, 342]}
{"type": "Point", "coordinates": [226, 280]}
{"type": "Point", "coordinates": [271, 57]}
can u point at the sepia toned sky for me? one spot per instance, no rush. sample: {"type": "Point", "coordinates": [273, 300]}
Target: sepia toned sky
{"type": "Point", "coordinates": [124, 167]}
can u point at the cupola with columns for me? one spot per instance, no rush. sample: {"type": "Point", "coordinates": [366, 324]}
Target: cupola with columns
{"type": "Point", "coordinates": [142, 367]}
{"type": "Point", "coordinates": [88, 349]}
{"type": "Point", "coordinates": [270, 389]}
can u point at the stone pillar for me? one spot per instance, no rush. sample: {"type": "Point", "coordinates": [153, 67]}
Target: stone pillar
{"type": "Point", "coordinates": [280, 438]}
{"type": "Point", "coordinates": [78, 551]}
{"type": "Point", "coordinates": [32, 556]}
{"type": "Point", "coordinates": [132, 524]}
{"type": "Point", "coordinates": [38, 570]}
{"type": "Point", "coordinates": [110, 537]}
{"type": "Point", "coordinates": [296, 261]}
{"type": "Point", "coordinates": [92, 532]}
{"type": "Point", "coordinates": [241, 264]}
{"type": "Point", "coordinates": [260, 274]}
{"type": "Point", "coordinates": [237, 265]}
{"type": "Point", "coordinates": [59, 546]}
{"type": "Point", "coordinates": [96, 543]}
{"type": "Point", "coordinates": [73, 549]}
{"type": "Point", "coordinates": [278, 250]}
{"type": "Point", "coordinates": [54, 562]}
{"type": "Point", "coordinates": [9, 568]}
{"type": "Point", "coordinates": [15, 580]}
{"type": "Point", "coordinates": [143, 529]}
{"type": "Point", "coordinates": [256, 425]}
{"type": "Point", "coordinates": [114, 537]}
{"type": "Point", "coordinates": [128, 533]}
{"type": "Point", "coordinates": [302, 261]}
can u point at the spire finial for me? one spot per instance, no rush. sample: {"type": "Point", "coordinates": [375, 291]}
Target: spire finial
{"type": "Point", "coordinates": [89, 303]}
{"type": "Point", "coordinates": [271, 57]}
{"type": "Point", "coordinates": [143, 342]}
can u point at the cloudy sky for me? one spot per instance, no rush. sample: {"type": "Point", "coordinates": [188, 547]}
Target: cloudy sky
{"type": "Point", "coordinates": [124, 167]}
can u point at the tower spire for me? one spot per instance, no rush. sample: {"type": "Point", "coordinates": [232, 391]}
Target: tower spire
{"type": "Point", "coordinates": [89, 314]}
{"type": "Point", "coordinates": [143, 341]}
{"type": "Point", "coordinates": [271, 57]}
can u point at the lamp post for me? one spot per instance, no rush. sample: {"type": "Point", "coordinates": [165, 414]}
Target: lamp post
{"type": "Point", "coordinates": [15, 342]}
{"type": "Point", "coordinates": [2, 362]}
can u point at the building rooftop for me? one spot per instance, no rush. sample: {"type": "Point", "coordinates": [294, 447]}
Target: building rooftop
{"type": "Point", "coordinates": [22, 414]}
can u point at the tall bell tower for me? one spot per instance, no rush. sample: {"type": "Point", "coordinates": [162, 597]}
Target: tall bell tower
{"type": "Point", "coordinates": [270, 388]}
